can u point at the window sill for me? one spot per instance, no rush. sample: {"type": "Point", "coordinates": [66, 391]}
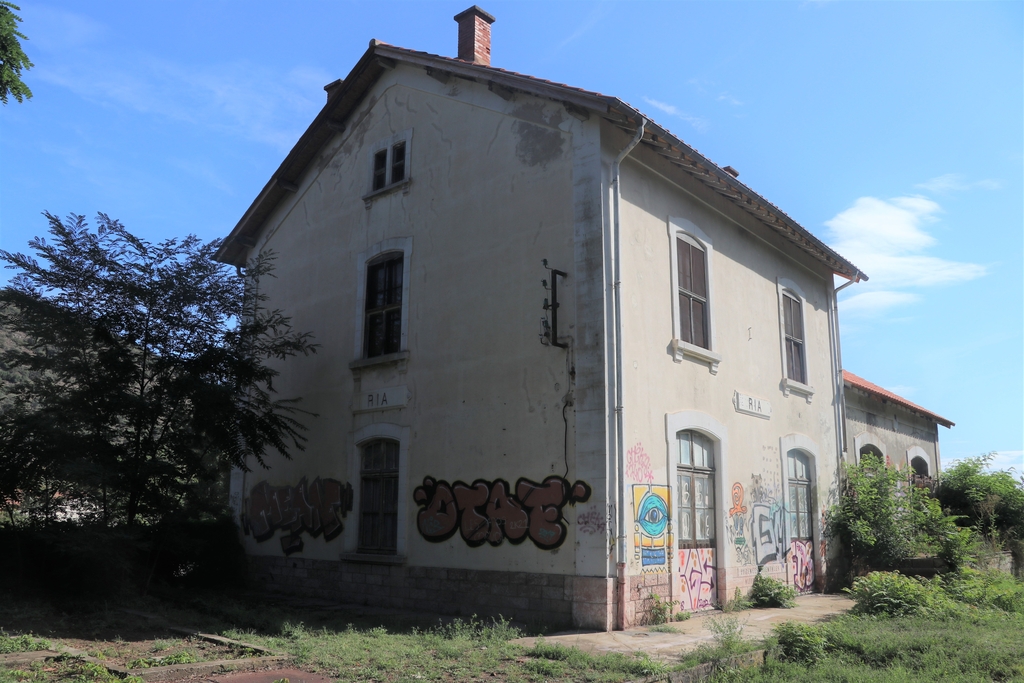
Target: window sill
{"type": "Point", "coordinates": [683, 350]}
{"type": "Point", "coordinates": [386, 359]}
{"type": "Point", "coordinates": [393, 187]}
{"type": "Point", "coordinates": [791, 386]}
{"type": "Point", "coordinates": [372, 558]}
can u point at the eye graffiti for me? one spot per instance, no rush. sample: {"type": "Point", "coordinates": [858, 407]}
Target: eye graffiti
{"type": "Point", "coordinates": [652, 531]}
{"type": "Point", "coordinates": [487, 512]}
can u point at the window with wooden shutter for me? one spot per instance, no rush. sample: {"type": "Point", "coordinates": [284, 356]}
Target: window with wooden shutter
{"type": "Point", "coordinates": [793, 322]}
{"type": "Point", "coordinates": [378, 499]}
{"type": "Point", "coordinates": [691, 261]}
{"type": "Point", "coordinates": [383, 310]}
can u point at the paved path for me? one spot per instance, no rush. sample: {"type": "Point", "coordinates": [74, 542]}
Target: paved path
{"type": "Point", "coordinates": [757, 623]}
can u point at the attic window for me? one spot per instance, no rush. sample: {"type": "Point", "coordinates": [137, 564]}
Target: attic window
{"type": "Point", "coordinates": [390, 162]}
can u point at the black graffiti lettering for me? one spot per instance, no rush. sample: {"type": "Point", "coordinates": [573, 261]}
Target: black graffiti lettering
{"type": "Point", "coordinates": [493, 512]}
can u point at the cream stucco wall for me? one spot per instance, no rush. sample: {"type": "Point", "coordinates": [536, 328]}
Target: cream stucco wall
{"type": "Point", "coordinates": [665, 393]}
{"type": "Point", "coordinates": [496, 186]}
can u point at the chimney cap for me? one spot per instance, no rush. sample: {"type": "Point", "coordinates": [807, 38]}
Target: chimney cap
{"type": "Point", "coordinates": [475, 9]}
{"type": "Point", "coordinates": [731, 171]}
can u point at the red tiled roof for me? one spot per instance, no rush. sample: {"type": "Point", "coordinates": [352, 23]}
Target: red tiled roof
{"type": "Point", "coordinates": [875, 390]}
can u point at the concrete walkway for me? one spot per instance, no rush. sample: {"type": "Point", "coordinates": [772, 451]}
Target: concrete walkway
{"type": "Point", "coordinates": [757, 623]}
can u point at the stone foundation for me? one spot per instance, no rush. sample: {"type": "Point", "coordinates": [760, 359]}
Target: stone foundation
{"type": "Point", "coordinates": [554, 600]}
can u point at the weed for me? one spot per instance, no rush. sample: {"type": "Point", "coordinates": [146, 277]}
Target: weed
{"type": "Point", "coordinates": [738, 603]}
{"type": "Point", "coordinates": [800, 642]}
{"type": "Point", "coordinates": [660, 609]}
{"type": "Point", "coordinates": [769, 592]}
{"type": "Point", "coordinates": [664, 628]}
{"type": "Point", "coordinates": [22, 643]}
{"type": "Point", "coordinates": [893, 594]}
{"type": "Point", "coordinates": [682, 616]}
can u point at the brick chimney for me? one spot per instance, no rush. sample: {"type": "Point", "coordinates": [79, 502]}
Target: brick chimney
{"type": "Point", "coordinates": [475, 35]}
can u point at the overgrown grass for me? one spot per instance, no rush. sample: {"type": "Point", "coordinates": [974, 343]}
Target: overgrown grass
{"type": "Point", "coordinates": [63, 670]}
{"type": "Point", "coordinates": [21, 643]}
{"type": "Point", "coordinates": [980, 645]}
{"type": "Point", "coordinates": [967, 626]}
{"type": "Point", "coordinates": [457, 651]}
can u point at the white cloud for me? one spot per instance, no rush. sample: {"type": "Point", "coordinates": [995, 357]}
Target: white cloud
{"type": "Point", "coordinates": [956, 182]}
{"type": "Point", "coordinates": [726, 97]}
{"type": "Point", "coordinates": [697, 122]}
{"type": "Point", "coordinates": [877, 302]}
{"type": "Point", "coordinates": [885, 238]}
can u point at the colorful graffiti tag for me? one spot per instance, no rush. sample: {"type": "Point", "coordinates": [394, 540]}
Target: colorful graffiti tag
{"type": "Point", "coordinates": [736, 526]}
{"type": "Point", "coordinates": [801, 564]}
{"type": "Point", "coordinates": [488, 512]}
{"type": "Point", "coordinates": [638, 464]}
{"type": "Point", "coordinates": [652, 531]}
{"type": "Point", "coordinates": [697, 577]}
{"type": "Point", "coordinates": [767, 522]}
{"type": "Point", "coordinates": [316, 508]}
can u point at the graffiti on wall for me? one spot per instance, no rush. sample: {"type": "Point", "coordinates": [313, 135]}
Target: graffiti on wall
{"type": "Point", "coordinates": [638, 464]}
{"type": "Point", "coordinates": [652, 530]}
{"type": "Point", "coordinates": [736, 527]}
{"type": "Point", "coordinates": [697, 577]}
{"type": "Point", "coordinates": [767, 522]}
{"type": "Point", "coordinates": [316, 508]}
{"type": "Point", "coordinates": [593, 520]}
{"type": "Point", "coordinates": [801, 564]}
{"type": "Point", "coordinates": [491, 512]}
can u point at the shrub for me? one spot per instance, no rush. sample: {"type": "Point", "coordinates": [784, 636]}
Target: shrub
{"type": "Point", "coordinates": [769, 592]}
{"type": "Point", "coordinates": [800, 642]}
{"type": "Point", "coordinates": [985, 589]}
{"type": "Point", "coordinates": [682, 616]}
{"type": "Point", "coordinates": [891, 593]}
{"type": "Point", "coordinates": [738, 603]}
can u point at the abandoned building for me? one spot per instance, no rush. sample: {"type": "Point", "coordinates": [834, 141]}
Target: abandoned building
{"type": "Point", "coordinates": [881, 422]}
{"type": "Point", "coordinates": [567, 362]}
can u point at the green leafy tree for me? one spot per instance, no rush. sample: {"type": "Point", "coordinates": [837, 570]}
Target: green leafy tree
{"type": "Point", "coordinates": [12, 58]}
{"type": "Point", "coordinates": [147, 369]}
{"type": "Point", "coordinates": [990, 502]}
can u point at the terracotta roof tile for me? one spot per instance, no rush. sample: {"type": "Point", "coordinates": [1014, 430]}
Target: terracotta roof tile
{"type": "Point", "coordinates": [861, 383]}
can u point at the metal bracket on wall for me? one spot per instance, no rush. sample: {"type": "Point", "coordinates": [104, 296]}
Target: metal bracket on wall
{"type": "Point", "coordinates": [552, 333]}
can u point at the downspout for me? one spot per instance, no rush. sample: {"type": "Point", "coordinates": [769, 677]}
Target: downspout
{"type": "Point", "coordinates": [620, 586]}
{"type": "Point", "coordinates": [837, 367]}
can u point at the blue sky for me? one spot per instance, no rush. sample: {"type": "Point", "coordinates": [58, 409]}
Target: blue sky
{"type": "Point", "coordinates": [891, 130]}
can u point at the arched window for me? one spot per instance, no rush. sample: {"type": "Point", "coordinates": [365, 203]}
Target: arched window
{"type": "Point", "coordinates": [873, 450]}
{"type": "Point", "coordinates": [695, 478]}
{"type": "Point", "coordinates": [799, 495]}
{"type": "Point", "coordinates": [378, 499]}
{"type": "Point", "coordinates": [920, 466]}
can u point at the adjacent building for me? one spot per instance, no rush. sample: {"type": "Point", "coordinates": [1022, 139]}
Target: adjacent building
{"type": "Point", "coordinates": [567, 362]}
{"type": "Point", "coordinates": [881, 422]}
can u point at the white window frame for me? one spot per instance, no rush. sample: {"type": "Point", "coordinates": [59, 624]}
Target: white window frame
{"type": "Point", "coordinates": [806, 445]}
{"type": "Point", "coordinates": [787, 287]}
{"type": "Point", "coordinates": [389, 144]}
{"type": "Point", "coordinates": [695, 420]}
{"type": "Point", "coordinates": [681, 228]}
{"type": "Point", "coordinates": [395, 246]}
{"type": "Point", "coordinates": [362, 436]}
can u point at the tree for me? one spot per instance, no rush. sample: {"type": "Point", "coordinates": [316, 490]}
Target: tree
{"type": "Point", "coordinates": [992, 503]}
{"type": "Point", "coordinates": [12, 58]}
{"type": "Point", "coordinates": [147, 369]}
